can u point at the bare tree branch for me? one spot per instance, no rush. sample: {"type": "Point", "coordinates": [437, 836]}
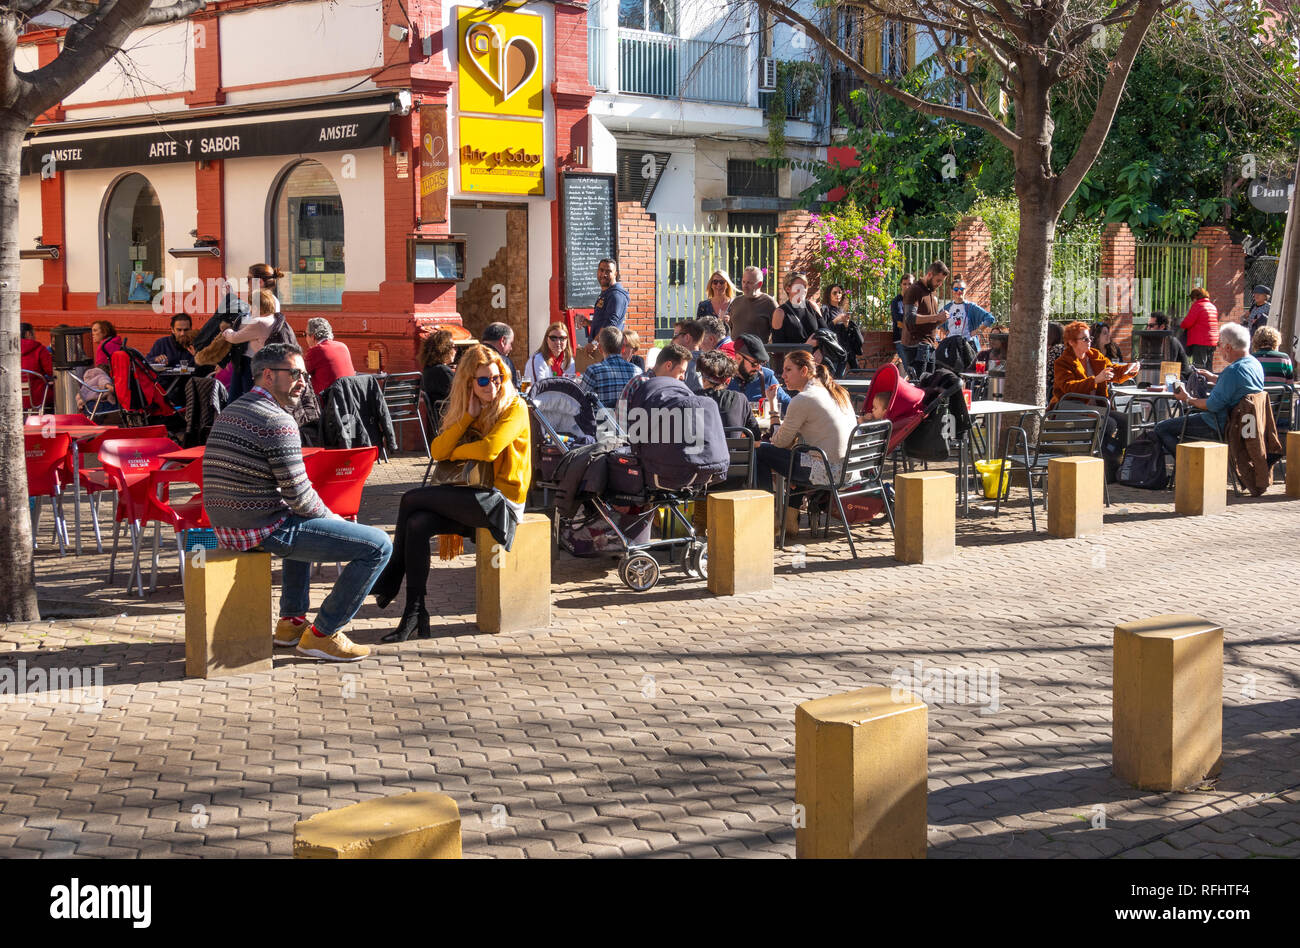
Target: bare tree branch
{"type": "Point", "coordinates": [793, 18]}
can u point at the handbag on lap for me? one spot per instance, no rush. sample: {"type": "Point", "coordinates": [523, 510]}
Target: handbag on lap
{"type": "Point", "coordinates": [464, 472]}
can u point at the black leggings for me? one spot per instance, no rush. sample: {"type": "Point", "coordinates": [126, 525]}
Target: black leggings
{"type": "Point", "coordinates": [423, 514]}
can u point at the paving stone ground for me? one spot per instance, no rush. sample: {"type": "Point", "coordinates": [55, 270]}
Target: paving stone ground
{"type": "Point", "coordinates": [662, 724]}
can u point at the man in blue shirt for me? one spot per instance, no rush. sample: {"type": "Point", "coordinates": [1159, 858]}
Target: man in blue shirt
{"type": "Point", "coordinates": [611, 305]}
{"type": "Point", "coordinates": [753, 377]}
{"type": "Point", "coordinates": [1242, 377]}
{"type": "Point", "coordinates": [607, 378]}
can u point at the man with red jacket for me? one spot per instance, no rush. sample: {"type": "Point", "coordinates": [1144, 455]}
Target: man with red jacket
{"type": "Point", "coordinates": [1201, 324]}
{"type": "Point", "coordinates": [35, 358]}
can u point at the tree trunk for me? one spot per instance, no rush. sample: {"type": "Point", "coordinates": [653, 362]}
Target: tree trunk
{"type": "Point", "coordinates": [17, 585]}
{"type": "Point", "coordinates": [1030, 302]}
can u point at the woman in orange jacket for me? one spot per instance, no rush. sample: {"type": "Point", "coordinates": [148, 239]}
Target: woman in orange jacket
{"type": "Point", "coordinates": [1202, 327]}
{"type": "Point", "coordinates": [485, 420]}
{"type": "Point", "coordinates": [1082, 370]}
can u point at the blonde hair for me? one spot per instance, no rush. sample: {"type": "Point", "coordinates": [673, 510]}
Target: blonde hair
{"type": "Point", "coordinates": [458, 402]}
{"type": "Point", "coordinates": [544, 350]}
{"type": "Point", "coordinates": [1266, 339]}
{"type": "Point", "coordinates": [264, 303]}
{"type": "Point", "coordinates": [632, 340]}
{"type": "Point", "coordinates": [731, 287]}
{"type": "Point", "coordinates": [822, 375]}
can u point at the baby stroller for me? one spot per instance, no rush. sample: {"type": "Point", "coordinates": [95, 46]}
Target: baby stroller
{"type": "Point", "coordinates": [564, 415]}
{"type": "Point", "coordinates": [141, 397]}
{"type": "Point", "coordinates": [620, 486]}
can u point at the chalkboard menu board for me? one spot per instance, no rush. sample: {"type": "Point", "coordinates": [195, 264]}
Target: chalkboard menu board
{"type": "Point", "coordinates": [589, 233]}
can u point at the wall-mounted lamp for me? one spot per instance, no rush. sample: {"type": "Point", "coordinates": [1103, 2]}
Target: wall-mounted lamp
{"type": "Point", "coordinates": [43, 251]}
{"type": "Point", "coordinates": [402, 102]}
{"type": "Point", "coordinates": [203, 247]}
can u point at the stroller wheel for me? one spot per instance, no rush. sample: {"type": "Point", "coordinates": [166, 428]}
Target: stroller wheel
{"type": "Point", "coordinates": [696, 561]}
{"type": "Point", "coordinates": [639, 572]}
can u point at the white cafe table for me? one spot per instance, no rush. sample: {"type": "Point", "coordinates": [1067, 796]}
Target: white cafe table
{"type": "Point", "coordinates": [992, 411]}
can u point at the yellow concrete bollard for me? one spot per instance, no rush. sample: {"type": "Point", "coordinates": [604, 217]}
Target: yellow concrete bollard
{"type": "Point", "coordinates": [1075, 496]}
{"type": "Point", "coordinates": [860, 776]}
{"type": "Point", "coordinates": [407, 826]}
{"type": "Point", "coordinates": [1167, 702]}
{"type": "Point", "coordinates": [925, 516]}
{"type": "Point", "coordinates": [1201, 478]}
{"type": "Point", "coordinates": [1293, 463]}
{"type": "Point", "coordinates": [513, 588]}
{"type": "Point", "coordinates": [741, 550]}
{"type": "Point", "coordinates": [228, 618]}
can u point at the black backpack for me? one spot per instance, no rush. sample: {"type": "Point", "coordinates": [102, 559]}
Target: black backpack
{"type": "Point", "coordinates": [1144, 464]}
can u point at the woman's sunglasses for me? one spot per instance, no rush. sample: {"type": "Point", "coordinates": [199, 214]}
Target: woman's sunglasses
{"type": "Point", "coordinates": [483, 381]}
{"type": "Point", "coordinates": [558, 338]}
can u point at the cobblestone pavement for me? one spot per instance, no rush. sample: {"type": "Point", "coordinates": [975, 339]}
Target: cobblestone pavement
{"type": "Point", "coordinates": [662, 724]}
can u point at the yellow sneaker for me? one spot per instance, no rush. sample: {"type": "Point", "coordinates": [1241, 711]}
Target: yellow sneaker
{"type": "Point", "coordinates": [287, 634]}
{"type": "Point", "coordinates": [333, 648]}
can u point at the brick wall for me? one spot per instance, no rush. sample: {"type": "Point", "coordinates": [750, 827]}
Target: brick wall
{"type": "Point", "coordinates": [1117, 270]}
{"type": "Point", "coordinates": [796, 241]}
{"type": "Point", "coordinates": [636, 267]}
{"type": "Point", "coordinates": [971, 258]}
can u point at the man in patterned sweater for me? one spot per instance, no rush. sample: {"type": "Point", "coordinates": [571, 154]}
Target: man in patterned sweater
{"type": "Point", "coordinates": [257, 496]}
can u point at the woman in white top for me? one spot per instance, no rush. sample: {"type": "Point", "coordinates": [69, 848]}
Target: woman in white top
{"type": "Point", "coordinates": [553, 357]}
{"type": "Point", "coordinates": [254, 327]}
{"type": "Point", "coordinates": [821, 415]}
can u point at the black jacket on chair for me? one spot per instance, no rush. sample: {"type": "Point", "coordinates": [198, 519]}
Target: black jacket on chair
{"type": "Point", "coordinates": [355, 415]}
{"type": "Point", "coordinates": [204, 399]}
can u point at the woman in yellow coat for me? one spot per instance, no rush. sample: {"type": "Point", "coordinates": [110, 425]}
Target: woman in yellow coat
{"type": "Point", "coordinates": [486, 420]}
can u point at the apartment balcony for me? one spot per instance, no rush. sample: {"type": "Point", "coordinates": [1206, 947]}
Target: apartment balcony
{"type": "Point", "coordinates": [671, 67]}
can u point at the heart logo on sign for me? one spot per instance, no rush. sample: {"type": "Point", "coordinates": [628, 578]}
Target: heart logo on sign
{"type": "Point", "coordinates": [515, 63]}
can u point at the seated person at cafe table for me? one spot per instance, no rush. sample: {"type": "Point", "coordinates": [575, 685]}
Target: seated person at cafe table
{"type": "Point", "coordinates": [256, 493]}
{"type": "Point", "coordinates": [177, 347]}
{"type": "Point", "coordinates": [607, 378]}
{"type": "Point", "coordinates": [753, 377]}
{"type": "Point", "coordinates": [328, 360]}
{"type": "Point", "coordinates": [716, 371]}
{"type": "Point", "coordinates": [1243, 376]}
{"type": "Point", "coordinates": [821, 415]}
{"type": "Point", "coordinates": [1083, 370]}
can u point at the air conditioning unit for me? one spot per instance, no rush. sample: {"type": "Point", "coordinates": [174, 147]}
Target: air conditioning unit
{"type": "Point", "coordinates": [766, 74]}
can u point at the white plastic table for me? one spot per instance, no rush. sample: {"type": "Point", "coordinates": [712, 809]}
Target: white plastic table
{"type": "Point", "coordinates": [992, 411]}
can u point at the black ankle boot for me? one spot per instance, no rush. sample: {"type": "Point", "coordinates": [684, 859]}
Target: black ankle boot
{"type": "Point", "coordinates": [415, 621]}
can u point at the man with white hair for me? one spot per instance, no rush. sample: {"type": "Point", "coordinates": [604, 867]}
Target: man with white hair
{"type": "Point", "coordinates": [751, 311]}
{"type": "Point", "coordinates": [1243, 376]}
{"type": "Point", "coordinates": [327, 359]}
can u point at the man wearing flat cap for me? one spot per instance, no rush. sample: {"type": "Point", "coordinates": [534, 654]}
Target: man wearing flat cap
{"type": "Point", "coordinates": [1258, 315]}
{"type": "Point", "coordinates": [753, 377]}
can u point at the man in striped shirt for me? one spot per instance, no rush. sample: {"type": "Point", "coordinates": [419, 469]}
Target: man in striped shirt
{"type": "Point", "coordinates": [257, 496]}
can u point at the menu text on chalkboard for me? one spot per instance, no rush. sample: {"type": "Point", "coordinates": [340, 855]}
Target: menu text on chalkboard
{"type": "Point", "coordinates": [589, 233]}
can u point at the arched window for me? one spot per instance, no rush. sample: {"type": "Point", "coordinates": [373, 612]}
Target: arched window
{"type": "Point", "coordinates": [133, 241]}
{"type": "Point", "coordinates": [307, 233]}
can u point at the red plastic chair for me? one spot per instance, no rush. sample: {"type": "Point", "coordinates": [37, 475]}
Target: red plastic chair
{"type": "Point", "coordinates": [338, 476]}
{"type": "Point", "coordinates": [46, 458]}
{"type": "Point", "coordinates": [130, 464]}
{"type": "Point", "coordinates": [181, 516]}
{"type": "Point", "coordinates": [94, 481]}
{"type": "Point", "coordinates": [39, 421]}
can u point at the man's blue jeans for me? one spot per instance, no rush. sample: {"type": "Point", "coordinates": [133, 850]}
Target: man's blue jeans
{"type": "Point", "coordinates": [302, 542]}
{"type": "Point", "coordinates": [1201, 425]}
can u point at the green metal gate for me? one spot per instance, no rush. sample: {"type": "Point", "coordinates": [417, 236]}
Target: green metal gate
{"type": "Point", "coordinates": [1166, 272]}
{"type": "Point", "coordinates": [685, 259]}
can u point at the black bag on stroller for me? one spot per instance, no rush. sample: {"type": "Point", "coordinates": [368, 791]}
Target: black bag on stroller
{"type": "Point", "coordinates": [930, 440]}
{"type": "Point", "coordinates": [956, 353]}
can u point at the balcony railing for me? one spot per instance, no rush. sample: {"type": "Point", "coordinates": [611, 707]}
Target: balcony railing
{"type": "Point", "coordinates": [800, 105]}
{"type": "Point", "coordinates": [596, 57]}
{"type": "Point", "coordinates": [675, 68]}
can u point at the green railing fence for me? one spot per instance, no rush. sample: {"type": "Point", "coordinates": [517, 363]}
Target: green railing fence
{"type": "Point", "coordinates": [918, 253]}
{"type": "Point", "coordinates": [1076, 264]}
{"type": "Point", "coordinates": [685, 258]}
{"type": "Point", "coordinates": [1166, 272]}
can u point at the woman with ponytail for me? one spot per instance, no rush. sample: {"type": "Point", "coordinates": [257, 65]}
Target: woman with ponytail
{"type": "Point", "coordinates": [821, 415]}
{"type": "Point", "coordinates": [262, 324]}
{"type": "Point", "coordinates": [485, 420]}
